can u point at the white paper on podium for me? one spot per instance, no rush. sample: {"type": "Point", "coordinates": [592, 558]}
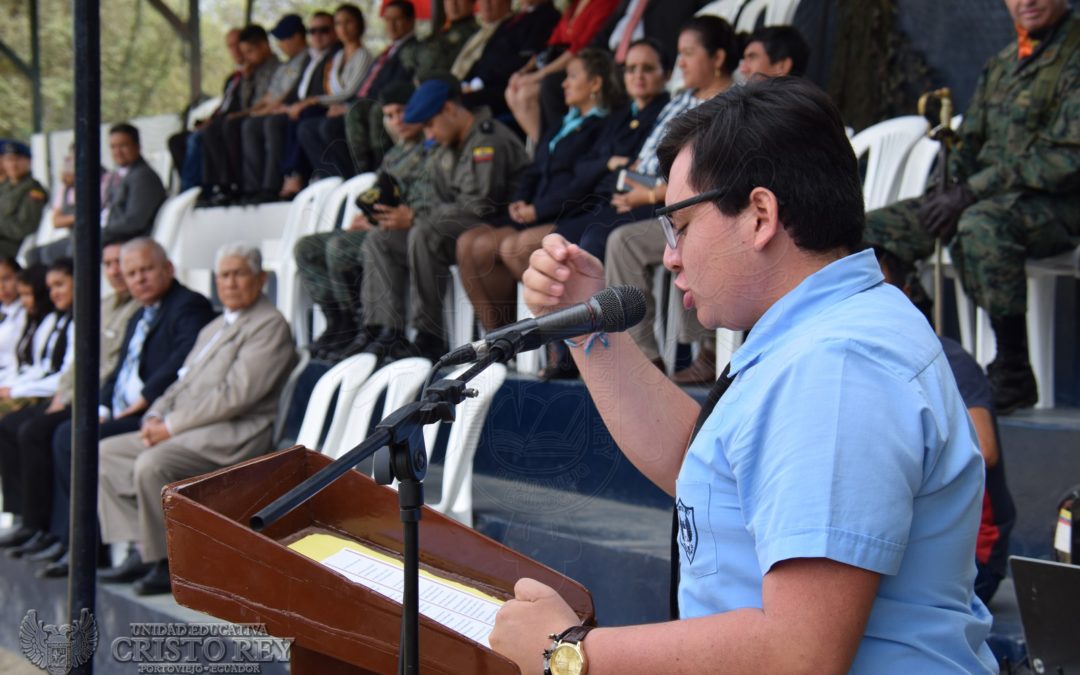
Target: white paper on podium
{"type": "Point", "coordinates": [468, 613]}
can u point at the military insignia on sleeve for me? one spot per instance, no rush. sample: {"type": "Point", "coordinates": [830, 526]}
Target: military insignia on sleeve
{"type": "Point", "coordinates": [37, 195]}
{"type": "Point", "coordinates": [483, 154]}
{"type": "Point", "coordinates": [688, 534]}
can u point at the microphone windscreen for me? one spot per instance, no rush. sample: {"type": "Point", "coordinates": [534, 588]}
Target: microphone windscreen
{"type": "Point", "coordinates": [621, 307]}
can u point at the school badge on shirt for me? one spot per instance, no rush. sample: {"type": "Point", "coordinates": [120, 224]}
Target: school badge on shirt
{"type": "Point", "coordinates": [688, 534]}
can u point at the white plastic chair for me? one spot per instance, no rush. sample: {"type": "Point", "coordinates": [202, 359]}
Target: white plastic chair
{"type": "Point", "coordinates": [459, 317]}
{"type": "Point", "coordinates": [285, 398]}
{"type": "Point", "coordinates": [725, 9]}
{"type": "Point", "coordinates": [304, 212]}
{"type": "Point", "coordinates": [170, 215]}
{"type": "Point", "coordinates": [749, 15]}
{"type": "Point", "coordinates": [886, 146]}
{"type": "Point", "coordinates": [456, 498]}
{"type": "Point", "coordinates": [1042, 276]}
{"type": "Point", "coordinates": [781, 12]}
{"type": "Point", "coordinates": [401, 380]}
{"type": "Point", "coordinates": [347, 377]}
{"type": "Point", "coordinates": [531, 362]}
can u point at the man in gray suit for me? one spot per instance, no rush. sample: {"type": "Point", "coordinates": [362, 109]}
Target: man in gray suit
{"type": "Point", "coordinates": [219, 412]}
{"type": "Point", "coordinates": [135, 192]}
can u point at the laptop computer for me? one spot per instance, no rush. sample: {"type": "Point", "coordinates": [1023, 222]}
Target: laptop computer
{"type": "Point", "coordinates": [1048, 594]}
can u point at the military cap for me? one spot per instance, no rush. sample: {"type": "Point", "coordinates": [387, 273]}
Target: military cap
{"type": "Point", "coordinates": [430, 97]}
{"type": "Point", "coordinates": [16, 148]}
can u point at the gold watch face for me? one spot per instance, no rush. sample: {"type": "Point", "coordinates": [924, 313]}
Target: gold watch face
{"type": "Point", "coordinates": [566, 660]}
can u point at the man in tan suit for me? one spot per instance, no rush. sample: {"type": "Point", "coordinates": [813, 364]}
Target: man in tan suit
{"type": "Point", "coordinates": [219, 412]}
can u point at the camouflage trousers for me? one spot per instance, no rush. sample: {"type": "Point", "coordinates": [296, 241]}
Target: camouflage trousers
{"type": "Point", "coordinates": [993, 240]}
{"type": "Point", "coordinates": [367, 137]}
{"type": "Point", "coordinates": [330, 267]}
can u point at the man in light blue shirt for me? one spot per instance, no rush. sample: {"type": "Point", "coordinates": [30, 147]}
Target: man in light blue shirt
{"type": "Point", "coordinates": [830, 502]}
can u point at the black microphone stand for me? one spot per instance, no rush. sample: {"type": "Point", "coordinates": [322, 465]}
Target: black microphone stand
{"type": "Point", "coordinates": [406, 460]}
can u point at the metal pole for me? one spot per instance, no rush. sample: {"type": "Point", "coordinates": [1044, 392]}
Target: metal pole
{"type": "Point", "coordinates": [35, 65]}
{"type": "Point", "coordinates": [248, 6]}
{"type": "Point", "coordinates": [195, 58]}
{"type": "Point", "coordinates": [84, 459]}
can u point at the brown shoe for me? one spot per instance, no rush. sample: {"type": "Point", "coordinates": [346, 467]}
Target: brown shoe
{"type": "Point", "coordinates": [701, 371]}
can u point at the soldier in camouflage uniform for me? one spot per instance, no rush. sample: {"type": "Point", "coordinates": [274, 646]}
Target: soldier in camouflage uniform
{"type": "Point", "coordinates": [1014, 189]}
{"type": "Point", "coordinates": [437, 53]}
{"type": "Point", "coordinates": [22, 199]}
{"type": "Point", "coordinates": [330, 262]}
{"type": "Point", "coordinates": [475, 169]}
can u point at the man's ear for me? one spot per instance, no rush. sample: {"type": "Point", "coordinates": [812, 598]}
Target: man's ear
{"type": "Point", "coordinates": [784, 66]}
{"type": "Point", "coordinates": [765, 209]}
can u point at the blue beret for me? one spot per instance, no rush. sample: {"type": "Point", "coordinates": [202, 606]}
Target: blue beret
{"type": "Point", "coordinates": [290, 25]}
{"type": "Point", "coordinates": [426, 102]}
{"type": "Point", "coordinates": [16, 148]}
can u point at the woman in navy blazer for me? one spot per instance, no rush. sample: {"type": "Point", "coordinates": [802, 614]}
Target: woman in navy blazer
{"type": "Point", "coordinates": [489, 255]}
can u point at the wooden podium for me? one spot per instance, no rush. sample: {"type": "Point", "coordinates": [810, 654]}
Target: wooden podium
{"type": "Point", "coordinates": [221, 566]}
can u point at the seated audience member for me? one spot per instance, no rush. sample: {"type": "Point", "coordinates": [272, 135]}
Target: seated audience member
{"type": "Point", "coordinates": [474, 174]}
{"type": "Point", "coordinates": [775, 51]}
{"type": "Point", "coordinates": [63, 213]}
{"type": "Point", "coordinates": [492, 256]}
{"type": "Point", "coordinates": [135, 192]}
{"type": "Point", "coordinates": [998, 510]}
{"type": "Point", "coordinates": [635, 250]}
{"type": "Point", "coordinates": [365, 132]}
{"type": "Point", "coordinates": [12, 316]}
{"type": "Point", "coordinates": [580, 22]}
{"type": "Point", "coordinates": [261, 152]}
{"type": "Point", "coordinates": [517, 39]}
{"type": "Point", "coordinates": [219, 412]}
{"type": "Point", "coordinates": [186, 146]}
{"type": "Point", "coordinates": [22, 201]}
{"type": "Point", "coordinates": [330, 263]}
{"type": "Point", "coordinates": [323, 138]}
{"type": "Point", "coordinates": [156, 341]}
{"type": "Point", "coordinates": [51, 352]}
{"type": "Point", "coordinates": [41, 320]}
{"type": "Point", "coordinates": [438, 50]}
{"type": "Point", "coordinates": [293, 167]}
{"type": "Point", "coordinates": [1014, 190]}
{"type": "Point", "coordinates": [28, 437]}
{"type": "Point", "coordinates": [656, 20]}
{"type": "Point", "coordinates": [222, 137]}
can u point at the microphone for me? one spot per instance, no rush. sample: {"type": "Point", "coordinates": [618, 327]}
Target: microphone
{"type": "Point", "coordinates": [611, 310]}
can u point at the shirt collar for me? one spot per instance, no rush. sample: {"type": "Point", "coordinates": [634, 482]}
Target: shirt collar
{"type": "Point", "coordinates": [231, 315]}
{"type": "Point", "coordinates": [831, 284]}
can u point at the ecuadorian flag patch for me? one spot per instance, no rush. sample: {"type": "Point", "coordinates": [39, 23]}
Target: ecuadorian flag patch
{"type": "Point", "coordinates": [483, 154]}
{"type": "Point", "coordinates": [37, 195]}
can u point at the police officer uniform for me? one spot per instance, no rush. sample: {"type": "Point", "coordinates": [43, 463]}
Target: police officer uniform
{"type": "Point", "coordinates": [22, 202]}
{"type": "Point", "coordinates": [472, 183]}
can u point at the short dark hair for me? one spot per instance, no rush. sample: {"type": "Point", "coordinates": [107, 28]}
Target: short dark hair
{"type": "Point", "coordinates": [406, 7]}
{"type": "Point", "coordinates": [715, 34]}
{"type": "Point", "coordinates": [254, 34]}
{"type": "Point", "coordinates": [653, 44]}
{"type": "Point", "coordinates": [127, 129]}
{"type": "Point", "coordinates": [783, 134]}
{"type": "Point", "coordinates": [10, 263]}
{"type": "Point", "coordinates": [355, 13]}
{"type": "Point", "coordinates": [322, 14]}
{"type": "Point", "coordinates": [783, 42]}
{"type": "Point", "coordinates": [599, 63]}
{"type": "Point", "coordinates": [65, 265]}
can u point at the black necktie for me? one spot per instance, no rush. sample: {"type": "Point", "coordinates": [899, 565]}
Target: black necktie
{"type": "Point", "coordinates": [717, 391]}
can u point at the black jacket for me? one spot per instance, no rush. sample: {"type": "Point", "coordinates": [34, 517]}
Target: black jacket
{"type": "Point", "coordinates": [620, 137]}
{"type": "Point", "coordinates": [552, 183]}
{"type": "Point", "coordinates": [135, 205]}
{"type": "Point", "coordinates": [663, 19]}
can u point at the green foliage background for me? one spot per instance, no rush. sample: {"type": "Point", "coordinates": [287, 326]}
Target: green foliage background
{"type": "Point", "coordinates": [143, 62]}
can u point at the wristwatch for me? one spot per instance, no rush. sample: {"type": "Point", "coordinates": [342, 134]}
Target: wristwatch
{"type": "Point", "coordinates": [566, 656]}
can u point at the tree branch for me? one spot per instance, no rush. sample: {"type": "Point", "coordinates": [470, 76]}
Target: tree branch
{"type": "Point", "coordinates": [179, 26]}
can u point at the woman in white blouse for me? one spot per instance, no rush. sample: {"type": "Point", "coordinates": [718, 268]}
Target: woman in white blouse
{"type": "Point", "coordinates": [323, 138]}
{"type": "Point", "coordinates": [47, 347]}
{"type": "Point", "coordinates": [12, 316]}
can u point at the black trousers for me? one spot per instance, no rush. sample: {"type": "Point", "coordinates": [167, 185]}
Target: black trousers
{"type": "Point", "coordinates": [222, 153]}
{"type": "Point", "coordinates": [10, 458]}
{"type": "Point", "coordinates": [38, 471]}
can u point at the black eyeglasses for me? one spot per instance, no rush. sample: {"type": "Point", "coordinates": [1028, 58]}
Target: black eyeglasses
{"type": "Point", "coordinates": [320, 30]}
{"type": "Point", "coordinates": [671, 235]}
